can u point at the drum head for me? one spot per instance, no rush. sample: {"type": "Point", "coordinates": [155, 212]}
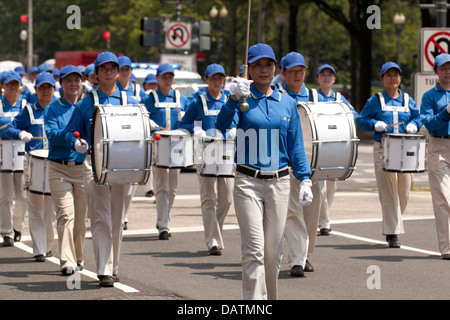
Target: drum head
{"type": "Point", "coordinates": [39, 153]}
{"type": "Point", "coordinates": [307, 129]}
{"type": "Point", "coordinates": [97, 144]}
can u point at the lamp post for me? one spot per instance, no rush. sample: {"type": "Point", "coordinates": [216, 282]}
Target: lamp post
{"type": "Point", "coordinates": [399, 22]}
{"type": "Point", "coordinates": [218, 18]}
{"type": "Point", "coordinates": [280, 21]}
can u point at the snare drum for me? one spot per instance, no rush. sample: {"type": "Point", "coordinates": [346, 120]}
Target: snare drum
{"type": "Point", "coordinates": [12, 153]}
{"type": "Point", "coordinates": [121, 144]}
{"type": "Point", "coordinates": [218, 158]}
{"type": "Point", "coordinates": [37, 172]}
{"type": "Point", "coordinates": [404, 152]}
{"type": "Point", "coordinates": [175, 149]}
{"type": "Point", "coordinates": [330, 139]}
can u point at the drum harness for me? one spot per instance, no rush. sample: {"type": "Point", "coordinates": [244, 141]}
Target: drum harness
{"type": "Point", "coordinates": [3, 114]}
{"type": "Point", "coordinates": [34, 121]}
{"type": "Point", "coordinates": [167, 106]}
{"type": "Point", "coordinates": [206, 111]}
{"type": "Point", "coordinates": [394, 109]}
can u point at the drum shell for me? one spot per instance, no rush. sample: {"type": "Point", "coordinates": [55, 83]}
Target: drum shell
{"type": "Point", "coordinates": [36, 178]}
{"type": "Point", "coordinates": [175, 149]}
{"type": "Point", "coordinates": [121, 145]}
{"type": "Point", "coordinates": [12, 155]}
{"type": "Point", "coordinates": [218, 158]}
{"type": "Point", "coordinates": [404, 152]}
{"type": "Point", "coordinates": [330, 140]}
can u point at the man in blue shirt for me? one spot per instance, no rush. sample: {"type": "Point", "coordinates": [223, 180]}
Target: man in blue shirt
{"type": "Point", "coordinates": [165, 106]}
{"type": "Point", "coordinates": [66, 172]}
{"type": "Point", "coordinates": [435, 115]}
{"type": "Point", "coordinates": [11, 182]}
{"type": "Point", "coordinates": [124, 82]}
{"type": "Point", "coordinates": [105, 203]}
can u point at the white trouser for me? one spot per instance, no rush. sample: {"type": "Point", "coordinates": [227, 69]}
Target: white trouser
{"type": "Point", "coordinates": [67, 188]}
{"type": "Point", "coordinates": [12, 193]}
{"type": "Point", "coordinates": [261, 208]}
{"type": "Point", "coordinates": [128, 200]}
{"type": "Point", "coordinates": [393, 191]}
{"type": "Point", "coordinates": [216, 195]}
{"type": "Point", "coordinates": [165, 182]}
{"type": "Point", "coordinates": [106, 205]}
{"type": "Point", "coordinates": [438, 161]}
{"type": "Point", "coordinates": [301, 223]}
{"type": "Point", "coordinates": [327, 201]}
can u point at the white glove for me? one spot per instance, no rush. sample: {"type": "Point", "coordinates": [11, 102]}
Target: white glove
{"type": "Point", "coordinates": [25, 136]}
{"type": "Point", "coordinates": [380, 126]}
{"type": "Point", "coordinates": [81, 147]}
{"type": "Point", "coordinates": [240, 88]}
{"type": "Point", "coordinates": [180, 115]}
{"type": "Point", "coordinates": [306, 195]}
{"type": "Point", "coordinates": [232, 134]}
{"type": "Point", "coordinates": [411, 128]}
{"type": "Point", "coordinates": [199, 133]}
{"type": "Point", "coordinates": [153, 125]}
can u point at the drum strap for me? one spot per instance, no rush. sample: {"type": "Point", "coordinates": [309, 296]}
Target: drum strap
{"type": "Point", "coordinates": [23, 103]}
{"type": "Point", "coordinates": [314, 94]}
{"type": "Point", "coordinates": [95, 97]}
{"type": "Point", "coordinates": [167, 105]}
{"type": "Point", "coordinates": [34, 121]}
{"type": "Point", "coordinates": [123, 98]}
{"type": "Point", "coordinates": [394, 109]}
{"type": "Point", "coordinates": [337, 96]}
{"type": "Point", "coordinates": [206, 111]}
{"type": "Point", "coordinates": [137, 90]}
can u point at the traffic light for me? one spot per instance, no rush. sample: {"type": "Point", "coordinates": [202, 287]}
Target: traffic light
{"type": "Point", "coordinates": [107, 39]}
{"type": "Point", "coordinates": [201, 39]}
{"type": "Point", "coordinates": [23, 21]}
{"type": "Point", "coordinates": [154, 37]}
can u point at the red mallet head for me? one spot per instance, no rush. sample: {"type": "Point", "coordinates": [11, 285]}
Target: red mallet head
{"type": "Point", "coordinates": [156, 137]}
{"type": "Point", "coordinates": [76, 134]}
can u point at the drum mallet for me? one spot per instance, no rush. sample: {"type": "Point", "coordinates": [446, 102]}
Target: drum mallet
{"type": "Point", "coordinates": [244, 104]}
{"type": "Point", "coordinates": [395, 124]}
{"type": "Point", "coordinates": [76, 134]}
{"type": "Point", "coordinates": [156, 137]}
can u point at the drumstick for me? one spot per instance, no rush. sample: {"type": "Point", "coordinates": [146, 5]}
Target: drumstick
{"type": "Point", "coordinates": [76, 134]}
{"type": "Point", "coordinates": [162, 128]}
{"type": "Point", "coordinates": [38, 138]}
{"type": "Point", "coordinates": [4, 126]}
{"type": "Point", "coordinates": [395, 124]}
{"type": "Point", "coordinates": [156, 137]}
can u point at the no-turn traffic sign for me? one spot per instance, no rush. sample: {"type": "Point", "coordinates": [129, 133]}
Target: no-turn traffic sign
{"type": "Point", "coordinates": [433, 41]}
{"type": "Point", "coordinates": [178, 36]}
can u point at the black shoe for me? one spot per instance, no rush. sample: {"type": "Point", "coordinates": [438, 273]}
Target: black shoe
{"type": "Point", "coordinates": [308, 267]}
{"type": "Point", "coordinates": [17, 235]}
{"type": "Point", "coordinates": [49, 254]}
{"type": "Point", "coordinates": [325, 231]}
{"type": "Point", "coordinates": [215, 251]}
{"type": "Point", "coordinates": [393, 241]}
{"type": "Point", "coordinates": [67, 271]}
{"type": "Point", "coordinates": [40, 258]}
{"type": "Point", "coordinates": [125, 226]}
{"type": "Point", "coordinates": [446, 256]}
{"type": "Point", "coordinates": [8, 241]}
{"type": "Point", "coordinates": [297, 271]}
{"type": "Point", "coordinates": [80, 267]}
{"type": "Point", "coordinates": [105, 281]}
{"type": "Point", "coordinates": [149, 193]}
{"type": "Point", "coordinates": [164, 235]}
{"type": "Point", "coordinates": [115, 278]}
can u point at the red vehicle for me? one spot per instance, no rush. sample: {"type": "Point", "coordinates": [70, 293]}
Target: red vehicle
{"type": "Point", "coordinates": [76, 58]}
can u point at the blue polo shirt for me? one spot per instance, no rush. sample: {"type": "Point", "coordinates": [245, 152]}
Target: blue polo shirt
{"type": "Point", "coordinates": [432, 111]}
{"type": "Point", "coordinates": [372, 113]}
{"type": "Point", "coordinates": [269, 134]}
{"type": "Point", "coordinates": [81, 117]}
{"type": "Point", "coordinates": [159, 114]}
{"type": "Point", "coordinates": [303, 96]}
{"type": "Point", "coordinates": [56, 117]}
{"type": "Point", "coordinates": [22, 122]}
{"type": "Point", "coordinates": [195, 112]}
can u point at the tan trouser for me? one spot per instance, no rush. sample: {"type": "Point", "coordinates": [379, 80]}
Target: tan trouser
{"type": "Point", "coordinates": [327, 201]}
{"type": "Point", "coordinates": [67, 188]}
{"type": "Point", "coordinates": [106, 205]}
{"type": "Point", "coordinates": [12, 193]}
{"type": "Point", "coordinates": [216, 196]}
{"type": "Point", "coordinates": [393, 191]}
{"type": "Point", "coordinates": [261, 208]}
{"type": "Point", "coordinates": [301, 223]}
{"type": "Point", "coordinates": [438, 160]}
{"type": "Point", "coordinates": [165, 182]}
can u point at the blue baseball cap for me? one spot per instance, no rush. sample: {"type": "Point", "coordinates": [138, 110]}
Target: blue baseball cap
{"type": "Point", "coordinates": [89, 70]}
{"type": "Point", "coordinates": [389, 65]}
{"type": "Point", "coordinates": [56, 72]}
{"type": "Point", "coordinates": [441, 59]}
{"type": "Point", "coordinates": [133, 78]}
{"type": "Point", "coordinates": [325, 66]}
{"type": "Point", "coordinates": [241, 69]}
{"type": "Point", "coordinates": [12, 76]}
{"type": "Point", "coordinates": [20, 70]}
{"type": "Point", "coordinates": [259, 51]}
{"type": "Point", "coordinates": [214, 68]}
{"type": "Point", "coordinates": [124, 61]}
{"type": "Point", "coordinates": [282, 62]}
{"type": "Point", "coordinates": [293, 59]}
{"type": "Point", "coordinates": [33, 69]}
{"type": "Point", "coordinates": [45, 67]}
{"type": "Point", "coordinates": [44, 77]}
{"type": "Point", "coordinates": [150, 78]}
{"type": "Point", "coordinates": [81, 68]}
{"type": "Point", "coordinates": [105, 57]}
{"type": "Point", "coordinates": [66, 70]}
{"type": "Point", "coordinates": [164, 68]}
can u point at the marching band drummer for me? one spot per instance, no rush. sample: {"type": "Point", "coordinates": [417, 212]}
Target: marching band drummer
{"type": "Point", "coordinates": [390, 107]}
{"type": "Point", "coordinates": [216, 193]}
{"type": "Point", "coordinates": [105, 203]}
{"type": "Point", "coordinates": [167, 115]}
{"type": "Point", "coordinates": [268, 138]}
{"type": "Point", "coordinates": [435, 115]}
{"type": "Point", "coordinates": [124, 82]}
{"type": "Point", "coordinates": [11, 183]}
{"type": "Point", "coordinates": [65, 174]}
{"type": "Point", "coordinates": [28, 124]}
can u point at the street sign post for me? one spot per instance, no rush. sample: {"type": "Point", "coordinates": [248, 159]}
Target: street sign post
{"type": "Point", "coordinates": [421, 83]}
{"type": "Point", "coordinates": [178, 36]}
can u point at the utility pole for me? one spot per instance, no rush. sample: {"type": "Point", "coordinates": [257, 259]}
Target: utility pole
{"type": "Point", "coordinates": [30, 34]}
